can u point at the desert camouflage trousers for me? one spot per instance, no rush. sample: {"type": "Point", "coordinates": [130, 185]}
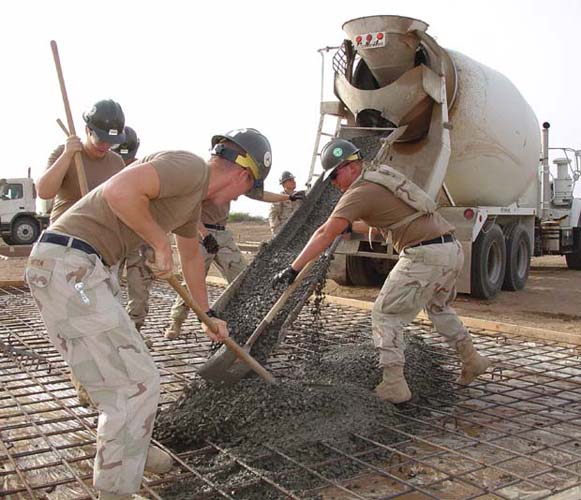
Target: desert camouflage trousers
{"type": "Point", "coordinates": [229, 261]}
{"type": "Point", "coordinates": [139, 280]}
{"type": "Point", "coordinates": [423, 278]}
{"type": "Point", "coordinates": [75, 294]}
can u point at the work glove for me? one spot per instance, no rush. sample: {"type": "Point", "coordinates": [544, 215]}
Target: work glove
{"type": "Point", "coordinates": [299, 195]}
{"type": "Point", "coordinates": [286, 276]}
{"type": "Point", "coordinates": [210, 244]}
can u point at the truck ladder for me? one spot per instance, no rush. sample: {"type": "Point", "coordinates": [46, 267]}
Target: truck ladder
{"type": "Point", "coordinates": [328, 108]}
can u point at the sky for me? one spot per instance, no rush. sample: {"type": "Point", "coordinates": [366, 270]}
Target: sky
{"type": "Point", "coordinates": [184, 71]}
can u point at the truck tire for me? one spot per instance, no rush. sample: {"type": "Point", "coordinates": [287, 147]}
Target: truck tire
{"type": "Point", "coordinates": [488, 263]}
{"type": "Point", "coordinates": [574, 258]}
{"type": "Point", "coordinates": [8, 240]}
{"type": "Point", "coordinates": [25, 231]}
{"type": "Point", "coordinates": [518, 258]}
{"type": "Point", "coordinates": [363, 271]}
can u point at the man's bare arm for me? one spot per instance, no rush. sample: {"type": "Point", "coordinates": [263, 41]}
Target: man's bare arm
{"type": "Point", "coordinates": [320, 241]}
{"type": "Point", "coordinates": [51, 180]}
{"type": "Point", "coordinates": [271, 197]}
{"type": "Point", "coordinates": [192, 263]}
{"type": "Point", "coordinates": [128, 194]}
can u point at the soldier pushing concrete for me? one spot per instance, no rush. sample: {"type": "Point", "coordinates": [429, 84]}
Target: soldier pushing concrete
{"type": "Point", "coordinates": [70, 279]}
{"type": "Point", "coordinates": [104, 128]}
{"type": "Point", "coordinates": [280, 212]}
{"type": "Point", "coordinates": [424, 277]}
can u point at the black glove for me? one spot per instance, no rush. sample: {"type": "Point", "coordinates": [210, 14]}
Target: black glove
{"type": "Point", "coordinates": [298, 195]}
{"type": "Point", "coordinates": [210, 244]}
{"type": "Point", "coordinates": [286, 276]}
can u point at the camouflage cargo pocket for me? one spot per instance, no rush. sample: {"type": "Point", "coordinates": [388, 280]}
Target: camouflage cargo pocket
{"type": "Point", "coordinates": [402, 297]}
{"type": "Point", "coordinates": [38, 272]}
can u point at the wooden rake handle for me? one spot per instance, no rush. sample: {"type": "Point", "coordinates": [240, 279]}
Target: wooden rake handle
{"type": "Point", "coordinates": [78, 159]}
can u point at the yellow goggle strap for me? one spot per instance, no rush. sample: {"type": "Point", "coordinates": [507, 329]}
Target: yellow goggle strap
{"type": "Point", "coordinates": [244, 161]}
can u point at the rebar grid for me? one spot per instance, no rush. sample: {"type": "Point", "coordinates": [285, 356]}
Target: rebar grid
{"type": "Point", "coordinates": [514, 432]}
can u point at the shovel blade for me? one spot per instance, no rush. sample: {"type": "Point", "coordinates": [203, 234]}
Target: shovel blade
{"type": "Point", "coordinates": [217, 365]}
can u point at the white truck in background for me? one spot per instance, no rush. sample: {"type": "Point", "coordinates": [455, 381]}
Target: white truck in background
{"type": "Point", "coordinates": [465, 134]}
{"type": "Point", "coordinates": [20, 222]}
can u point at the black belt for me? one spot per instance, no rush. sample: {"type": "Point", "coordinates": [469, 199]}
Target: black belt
{"type": "Point", "coordinates": [69, 241]}
{"type": "Point", "coordinates": [217, 227]}
{"type": "Point", "coordinates": [446, 238]}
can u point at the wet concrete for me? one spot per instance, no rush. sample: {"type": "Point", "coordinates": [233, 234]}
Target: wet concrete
{"type": "Point", "coordinates": [323, 399]}
{"type": "Point", "coordinates": [254, 296]}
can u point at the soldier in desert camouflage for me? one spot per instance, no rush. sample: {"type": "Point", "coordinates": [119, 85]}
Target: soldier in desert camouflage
{"type": "Point", "coordinates": [424, 277]}
{"type": "Point", "coordinates": [70, 277]}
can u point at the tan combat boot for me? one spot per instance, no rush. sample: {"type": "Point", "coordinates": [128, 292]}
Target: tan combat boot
{"type": "Point", "coordinates": [393, 388]}
{"type": "Point", "coordinates": [158, 461]}
{"type": "Point", "coordinates": [473, 364]}
{"type": "Point", "coordinates": [105, 495]}
{"type": "Point", "coordinates": [82, 394]}
{"type": "Point", "coordinates": [148, 341]}
{"type": "Point", "coordinates": [174, 330]}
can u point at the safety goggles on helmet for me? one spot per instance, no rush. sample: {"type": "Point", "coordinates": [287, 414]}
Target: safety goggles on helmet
{"type": "Point", "coordinates": [333, 175]}
{"type": "Point", "coordinates": [242, 160]}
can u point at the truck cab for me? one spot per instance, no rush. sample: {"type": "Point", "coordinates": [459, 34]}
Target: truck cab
{"type": "Point", "coordinates": [20, 224]}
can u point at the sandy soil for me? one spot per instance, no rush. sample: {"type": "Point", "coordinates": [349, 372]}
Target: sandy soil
{"type": "Point", "coordinates": [551, 299]}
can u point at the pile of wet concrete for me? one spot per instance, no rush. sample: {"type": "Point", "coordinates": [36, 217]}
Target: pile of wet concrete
{"type": "Point", "coordinates": [324, 399]}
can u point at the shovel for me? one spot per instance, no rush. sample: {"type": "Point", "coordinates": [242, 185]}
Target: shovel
{"type": "Point", "coordinates": [230, 343]}
{"type": "Point", "coordinates": [222, 365]}
{"type": "Point", "coordinates": [148, 255]}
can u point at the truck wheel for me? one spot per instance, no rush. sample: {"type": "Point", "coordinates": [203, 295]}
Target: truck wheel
{"type": "Point", "coordinates": [518, 258]}
{"type": "Point", "coordinates": [25, 231]}
{"type": "Point", "coordinates": [488, 263]}
{"type": "Point", "coordinates": [362, 271]}
{"type": "Point", "coordinates": [574, 259]}
{"type": "Point", "coordinates": [8, 240]}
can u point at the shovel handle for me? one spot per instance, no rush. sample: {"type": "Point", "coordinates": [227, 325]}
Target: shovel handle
{"type": "Point", "coordinates": [78, 159]}
{"type": "Point", "coordinates": [230, 343]}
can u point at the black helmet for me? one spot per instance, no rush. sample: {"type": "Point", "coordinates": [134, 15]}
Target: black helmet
{"type": "Point", "coordinates": [286, 175]}
{"type": "Point", "coordinates": [258, 159]}
{"type": "Point", "coordinates": [129, 148]}
{"type": "Point", "coordinates": [107, 120]}
{"type": "Point", "coordinates": [336, 153]}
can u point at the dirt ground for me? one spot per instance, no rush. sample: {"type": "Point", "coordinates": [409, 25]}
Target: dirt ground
{"type": "Point", "coordinates": [551, 299]}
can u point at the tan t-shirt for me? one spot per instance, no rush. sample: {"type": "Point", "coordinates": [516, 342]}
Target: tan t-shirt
{"type": "Point", "coordinates": [96, 171]}
{"type": "Point", "coordinates": [215, 214]}
{"type": "Point", "coordinates": [183, 179]}
{"type": "Point", "coordinates": [379, 208]}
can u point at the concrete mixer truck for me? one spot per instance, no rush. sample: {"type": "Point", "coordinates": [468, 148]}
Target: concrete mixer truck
{"type": "Point", "coordinates": [463, 133]}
